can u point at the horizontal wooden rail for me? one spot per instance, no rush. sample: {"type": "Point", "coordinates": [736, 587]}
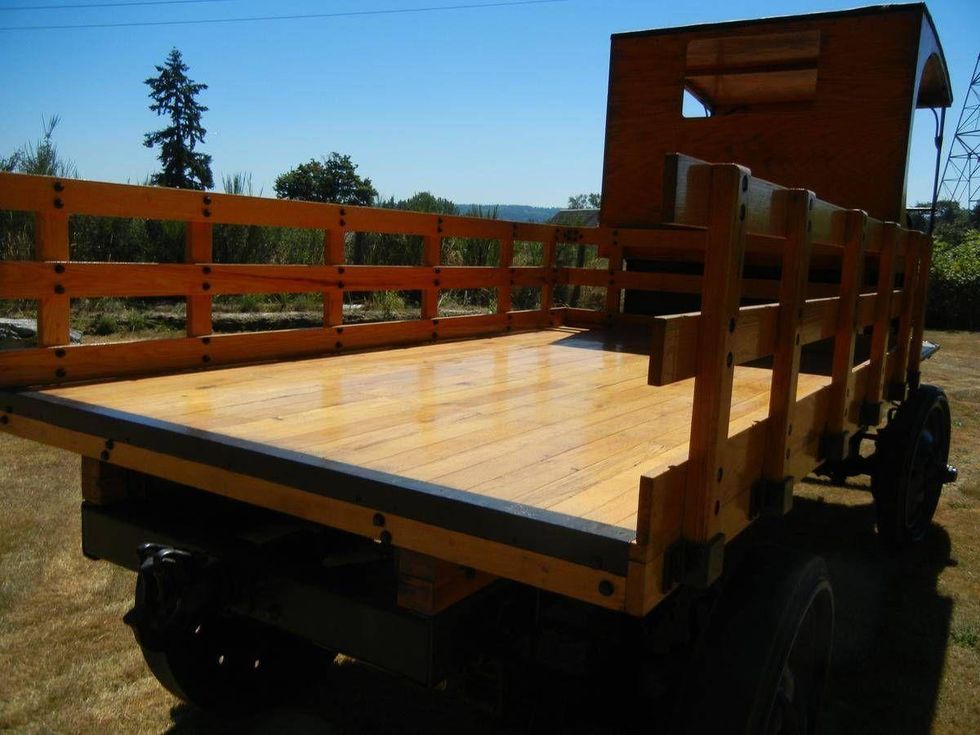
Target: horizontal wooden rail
{"type": "Point", "coordinates": [672, 356]}
{"type": "Point", "coordinates": [662, 491]}
{"type": "Point", "coordinates": [32, 280]}
{"type": "Point", "coordinates": [54, 365]}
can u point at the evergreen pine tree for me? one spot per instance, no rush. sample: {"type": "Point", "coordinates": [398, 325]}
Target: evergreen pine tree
{"type": "Point", "coordinates": [173, 94]}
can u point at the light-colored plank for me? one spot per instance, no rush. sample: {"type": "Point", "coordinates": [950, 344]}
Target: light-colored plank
{"type": "Point", "coordinates": [198, 246]}
{"type": "Point", "coordinates": [53, 312]}
{"type": "Point", "coordinates": [715, 357]}
{"type": "Point", "coordinates": [786, 359]}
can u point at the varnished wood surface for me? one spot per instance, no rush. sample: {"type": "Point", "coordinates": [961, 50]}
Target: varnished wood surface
{"type": "Point", "coordinates": [819, 122]}
{"type": "Point", "coordinates": [561, 419]}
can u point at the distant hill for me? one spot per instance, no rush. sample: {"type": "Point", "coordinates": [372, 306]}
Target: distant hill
{"type": "Point", "coordinates": [515, 212]}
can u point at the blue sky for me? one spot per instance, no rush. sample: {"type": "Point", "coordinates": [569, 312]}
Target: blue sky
{"type": "Point", "coordinates": [490, 105]}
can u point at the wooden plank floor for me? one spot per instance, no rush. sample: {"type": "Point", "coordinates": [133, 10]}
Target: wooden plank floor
{"type": "Point", "coordinates": [560, 419]}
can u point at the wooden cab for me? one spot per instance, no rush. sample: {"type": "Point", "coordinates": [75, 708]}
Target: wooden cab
{"type": "Point", "coordinates": [823, 102]}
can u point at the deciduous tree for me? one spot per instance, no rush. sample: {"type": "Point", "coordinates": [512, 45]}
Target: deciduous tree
{"type": "Point", "coordinates": [332, 179]}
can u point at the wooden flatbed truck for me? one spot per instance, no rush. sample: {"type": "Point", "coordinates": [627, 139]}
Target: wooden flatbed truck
{"type": "Point", "coordinates": [422, 494]}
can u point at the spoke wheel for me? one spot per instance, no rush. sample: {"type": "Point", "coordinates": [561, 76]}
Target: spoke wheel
{"type": "Point", "coordinates": [762, 666]}
{"type": "Point", "coordinates": [911, 467]}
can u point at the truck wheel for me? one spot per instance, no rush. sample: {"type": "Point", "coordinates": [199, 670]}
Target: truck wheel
{"type": "Point", "coordinates": [910, 467]}
{"type": "Point", "coordinates": [197, 652]}
{"type": "Point", "coordinates": [761, 667]}
{"type": "Point", "coordinates": [225, 660]}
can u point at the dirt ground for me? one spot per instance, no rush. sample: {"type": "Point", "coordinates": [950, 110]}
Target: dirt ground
{"type": "Point", "coordinates": [906, 658]}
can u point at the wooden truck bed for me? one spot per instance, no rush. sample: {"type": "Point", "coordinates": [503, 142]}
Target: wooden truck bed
{"type": "Point", "coordinates": [601, 455]}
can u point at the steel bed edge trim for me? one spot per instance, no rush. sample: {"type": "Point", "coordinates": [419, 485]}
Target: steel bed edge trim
{"type": "Point", "coordinates": [589, 543]}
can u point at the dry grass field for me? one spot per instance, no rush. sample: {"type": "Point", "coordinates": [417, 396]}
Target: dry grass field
{"type": "Point", "coordinates": [907, 652]}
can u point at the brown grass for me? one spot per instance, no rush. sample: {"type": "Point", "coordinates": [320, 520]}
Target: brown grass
{"type": "Point", "coordinates": [907, 656]}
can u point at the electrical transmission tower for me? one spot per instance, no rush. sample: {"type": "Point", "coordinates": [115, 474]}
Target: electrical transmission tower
{"type": "Point", "coordinates": [961, 176]}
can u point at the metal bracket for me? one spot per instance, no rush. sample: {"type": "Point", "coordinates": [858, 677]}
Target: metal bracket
{"type": "Point", "coordinates": [836, 447]}
{"type": "Point", "coordinates": [772, 497]}
{"type": "Point", "coordinates": [694, 564]}
{"type": "Point", "coordinates": [870, 414]}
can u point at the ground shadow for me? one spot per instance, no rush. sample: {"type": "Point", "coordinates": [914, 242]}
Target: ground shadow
{"type": "Point", "coordinates": [890, 641]}
{"type": "Point", "coordinates": [892, 624]}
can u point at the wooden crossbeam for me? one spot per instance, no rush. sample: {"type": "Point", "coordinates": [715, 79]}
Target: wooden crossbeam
{"type": "Point", "coordinates": [74, 363]}
{"type": "Point", "coordinates": [24, 279]}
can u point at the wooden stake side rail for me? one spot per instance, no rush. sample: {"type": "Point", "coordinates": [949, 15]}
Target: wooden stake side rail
{"type": "Point", "coordinates": [716, 214]}
{"type": "Point", "coordinates": [689, 511]}
{"type": "Point", "coordinates": [54, 279]}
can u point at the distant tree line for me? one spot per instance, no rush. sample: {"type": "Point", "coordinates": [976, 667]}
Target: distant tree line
{"type": "Point", "coordinates": [332, 178]}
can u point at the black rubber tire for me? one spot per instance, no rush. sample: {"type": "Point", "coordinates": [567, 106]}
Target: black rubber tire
{"type": "Point", "coordinates": [909, 467]}
{"type": "Point", "coordinates": [761, 667]}
{"type": "Point", "coordinates": [227, 660]}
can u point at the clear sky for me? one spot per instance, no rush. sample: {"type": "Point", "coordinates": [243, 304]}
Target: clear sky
{"type": "Point", "coordinates": [489, 105]}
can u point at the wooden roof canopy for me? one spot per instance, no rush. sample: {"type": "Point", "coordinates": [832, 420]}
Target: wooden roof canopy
{"type": "Point", "coordinates": [822, 101]}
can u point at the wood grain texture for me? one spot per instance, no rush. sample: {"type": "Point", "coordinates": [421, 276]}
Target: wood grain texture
{"type": "Point", "coordinates": [873, 67]}
{"type": "Point", "coordinates": [198, 245]}
{"type": "Point", "coordinates": [54, 305]}
{"type": "Point", "coordinates": [560, 419]}
{"type": "Point", "coordinates": [852, 274]}
{"type": "Point", "coordinates": [546, 572]}
{"type": "Point", "coordinates": [789, 342]}
{"type": "Point", "coordinates": [892, 237]}
{"type": "Point", "coordinates": [714, 377]}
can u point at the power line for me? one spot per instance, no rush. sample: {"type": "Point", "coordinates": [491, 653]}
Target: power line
{"type": "Point", "coordinates": [306, 16]}
{"type": "Point", "coordinates": [110, 5]}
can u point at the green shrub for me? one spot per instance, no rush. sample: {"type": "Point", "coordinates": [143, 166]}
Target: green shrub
{"type": "Point", "coordinates": [389, 303]}
{"type": "Point", "coordinates": [954, 284]}
{"type": "Point", "coordinates": [104, 324]}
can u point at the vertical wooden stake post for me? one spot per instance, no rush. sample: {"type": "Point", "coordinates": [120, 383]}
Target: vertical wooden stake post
{"type": "Point", "coordinates": [333, 254]}
{"type": "Point", "coordinates": [548, 260]}
{"type": "Point", "coordinates": [842, 377]}
{"type": "Point", "coordinates": [896, 388]}
{"type": "Point", "coordinates": [720, 296]}
{"type": "Point", "coordinates": [198, 248]}
{"type": "Point", "coordinates": [919, 309]}
{"type": "Point", "coordinates": [504, 300]}
{"type": "Point", "coordinates": [614, 294]}
{"type": "Point", "coordinates": [891, 237]}
{"type": "Point", "coordinates": [431, 253]}
{"type": "Point", "coordinates": [54, 309]}
{"type": "Point", "coordinates": [776, 490]}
